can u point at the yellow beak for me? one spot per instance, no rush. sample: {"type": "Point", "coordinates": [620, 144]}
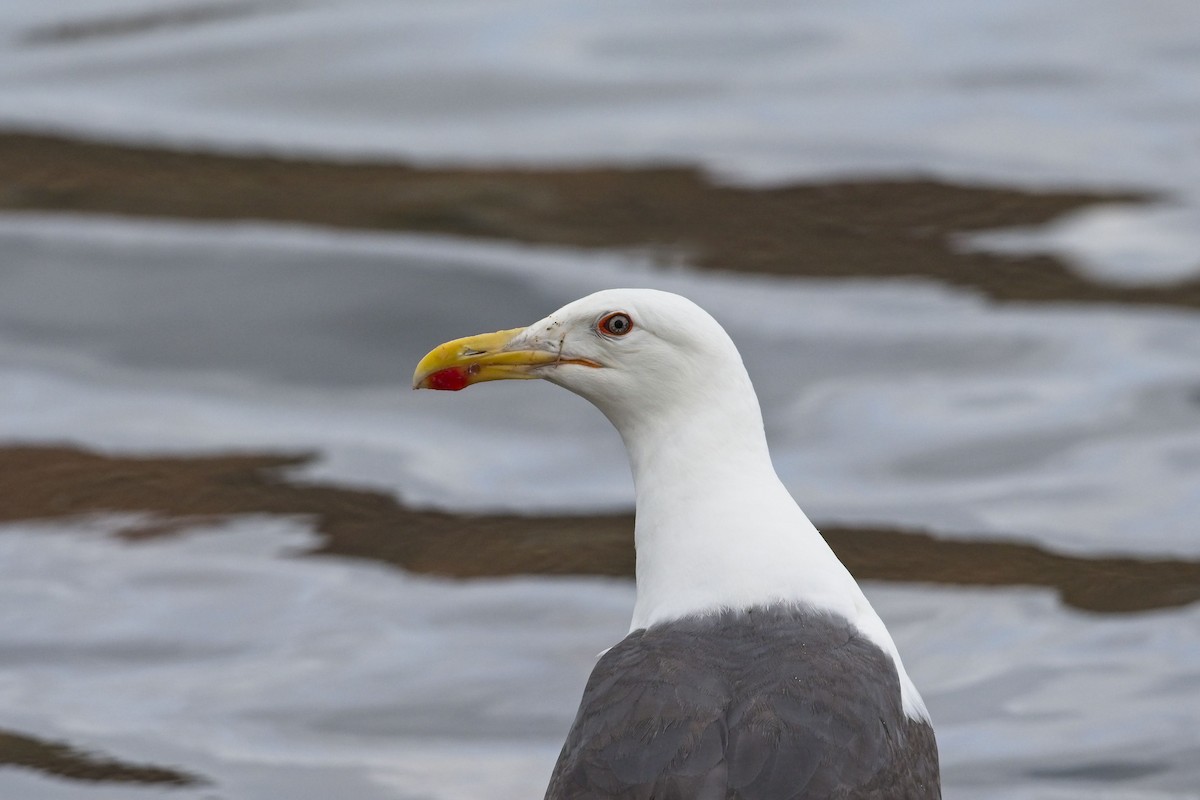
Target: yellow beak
{"type": "Point", "coordinates": [487, 357]}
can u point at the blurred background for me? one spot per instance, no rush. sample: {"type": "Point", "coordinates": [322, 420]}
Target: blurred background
{"type": "Point", "coordinates": [958, 246]}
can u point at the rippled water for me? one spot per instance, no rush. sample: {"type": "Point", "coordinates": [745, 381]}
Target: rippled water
{"type": "Point", "coordinates": [887, 403]}
{"type": "Point", "coordinates": [1078, 92]}
{"type": "Point", "coordinates": [320, 678]}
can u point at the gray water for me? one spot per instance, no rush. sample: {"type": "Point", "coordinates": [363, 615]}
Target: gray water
{"type": "Point", "coordinates": [887, 404]}
{"type": "Point", "coordinates": [1097, 93]}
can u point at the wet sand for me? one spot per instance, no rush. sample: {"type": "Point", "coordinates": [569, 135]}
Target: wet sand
{"type": "Point", "coordinates": [851, 229]}
{"type": "Point", "coordinates": [63, 761]}
{"type": "Point", "coordinates": [60, 482]}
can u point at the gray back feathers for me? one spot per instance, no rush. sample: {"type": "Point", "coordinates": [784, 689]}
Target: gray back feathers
{"type": "Point", "coordinates": [766, 704]}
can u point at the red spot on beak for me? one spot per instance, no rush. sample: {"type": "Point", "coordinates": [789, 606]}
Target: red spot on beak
{"type": "Point", "coordinates": [451, 379]}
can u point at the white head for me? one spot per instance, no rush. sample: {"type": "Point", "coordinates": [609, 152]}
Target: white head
{"type": "Point", "coordinates": [638, 355]}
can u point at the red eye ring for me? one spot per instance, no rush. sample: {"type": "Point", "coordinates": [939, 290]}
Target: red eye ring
{"type": "Point", "coordinates": [617, 323]}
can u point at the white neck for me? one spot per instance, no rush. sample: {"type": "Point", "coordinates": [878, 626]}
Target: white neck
{"type": "Point", "coordinates": [716, 528]}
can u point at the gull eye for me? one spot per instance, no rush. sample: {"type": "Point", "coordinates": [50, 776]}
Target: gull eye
{"type": "Point", "coordinates": [616, 324]}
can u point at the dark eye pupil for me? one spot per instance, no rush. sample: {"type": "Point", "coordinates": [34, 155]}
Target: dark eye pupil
{"type": "Point", "coordinates": [617, 324]}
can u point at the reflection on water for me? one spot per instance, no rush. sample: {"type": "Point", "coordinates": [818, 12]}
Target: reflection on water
{"type": "Point", "coordinates": [173, 494]}
{"type": "Point", "coordinates": [887, 404]}
{"type": "Point", "coordinates": [269, 676]}
{"type": "Point", "coordinates": [1068, 92]}
{"type": "Point", "coordinates": [372, 683]}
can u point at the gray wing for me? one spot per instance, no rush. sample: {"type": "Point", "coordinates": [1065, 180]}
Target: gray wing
{"type": "Point", "coordinates": [759, 705]}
